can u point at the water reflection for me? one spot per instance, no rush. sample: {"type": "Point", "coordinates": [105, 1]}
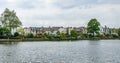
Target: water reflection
{"type": "Point", "coordinates": [8, 51]}
{"type": "Point", "coordinates": [61, 52]}
{"type": "Point", "coordinates": [94, 52]}
{"type": "Point", "coordinates": [9, 43]}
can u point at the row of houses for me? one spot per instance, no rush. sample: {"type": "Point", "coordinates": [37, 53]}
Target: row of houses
{"type": "Point", "coordinates": [54, 30]}
{"type": "Point", "coordinates": [107, 30]}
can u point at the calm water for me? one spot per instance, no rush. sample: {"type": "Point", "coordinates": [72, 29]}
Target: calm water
{"type": "Point", "coordinates": [103, 51]}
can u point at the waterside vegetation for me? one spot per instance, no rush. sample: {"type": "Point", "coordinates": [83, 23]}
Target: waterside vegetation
{"type": "Point", "coordinates": [10, 22]}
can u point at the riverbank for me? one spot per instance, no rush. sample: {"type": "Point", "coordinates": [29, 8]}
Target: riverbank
{"type": "Point", "coordinates": [39, 39]}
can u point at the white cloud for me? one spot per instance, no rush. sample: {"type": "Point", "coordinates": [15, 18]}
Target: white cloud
{"type": "Point", "coordinates": [65, 12]}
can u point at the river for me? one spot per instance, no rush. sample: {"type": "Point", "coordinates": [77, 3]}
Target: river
{"type": "Point", "coordinates": [84, 51]}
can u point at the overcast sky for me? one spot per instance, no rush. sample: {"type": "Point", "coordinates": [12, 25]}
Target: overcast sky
{"type": "Point", "coordinates": [64, 12]}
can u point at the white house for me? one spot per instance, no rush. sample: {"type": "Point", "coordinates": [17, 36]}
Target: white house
{"type": "Point", "coordinates": [1, 24]}
{"type": "Point", "coordinates": [101, 30]}
{"type": "Point", "coordinates": [63, 30]}
{"type": "Point", "coordinates": [48, 30]}
{"type": "Point", "coordinates": [69, 30]}
{"type": "Point", "coordinates": [54, 30]}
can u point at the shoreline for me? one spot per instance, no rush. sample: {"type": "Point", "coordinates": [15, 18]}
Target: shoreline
{"type": "Point", "coordinates": [38, 39]}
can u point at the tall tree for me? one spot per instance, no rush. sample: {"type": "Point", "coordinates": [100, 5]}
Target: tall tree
{"type": "Point", "coordinates": [10, 20]}
{"type": "Point", "coordinates": [93, 26]}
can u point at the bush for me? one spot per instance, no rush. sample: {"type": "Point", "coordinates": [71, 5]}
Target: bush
{"type": "Point", "coordinates": [114, 36]}
{"type": "Point", "coordinates": [108, 35]}
{"type": "Point", "coordinates": [16, 34]}
{"type": "Point", "coordinates": [30, 35]}
{"type": "Point", "coordinates": [84, 35]}
{"type": "Point", "coordinates": [102, 36]}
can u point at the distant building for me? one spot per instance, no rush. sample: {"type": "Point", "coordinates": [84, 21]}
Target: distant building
{"type": "Point", "coordinates": [107, 30]}
{"type": "Point", "coordinates": [33, 30]}
{"type": "Point", "coordinates": [83, 30]}
{"type": "Point", "coordinates": [1, 24]}
{"type": "Point", "coordinates": [114, 31]}
{"type": "Point", "coordinates": [68, 30]}
{"type": "Point", "coordinates": [77, 30]}
{"type": "Point", "coordinates": [48, 30]}
{"type": "Point", "coordinates": [62, 30]}
{"type": "Point", "coordinates": [80, 30]}
{"type": "Point", "coordinates": [101, 30]}
{"type": "Point", "coordinates": [54, 30]}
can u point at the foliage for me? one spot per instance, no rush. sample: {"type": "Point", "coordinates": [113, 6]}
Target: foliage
{"type": "Point", "coordinates": [101, 36]}
{"type": "Point", "coordinates": [58, 32]}
{"type": "Point", "coordinates": [119, 32]}
{"type": "Point", "coordinates": [20, 30]}
{"type": "Point", "coordinates": [62, 34]}
{"type": "Point", "coordinates": [93, 26]}
{"type": "Point", "coordinates": [30, 35]}
{"type": "Point", "coordinates": [10, 20]}
{"type": "Point", "coordinates": [108, 35]}
{"type": "Point", "coordinates": [4, 32]}
{"type": "Point", "coordinates": [16, 34]}
{"type": "Point", "coordinates": [74, 33]}
{"type": "Point", "coordinates": [84, 35]}
{"type": "Point", "coordinates": [114, 36]}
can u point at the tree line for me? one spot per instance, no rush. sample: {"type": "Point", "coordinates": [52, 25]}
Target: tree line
{"type": "Point", "coordinates": [10, 21]}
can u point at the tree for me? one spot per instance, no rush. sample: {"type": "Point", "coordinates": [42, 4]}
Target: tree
{"type": "Point", "coordinates": [20, 30]}
{"type": "Point", "coordinates": [93, 26]}
{"type": "Point", "coordinates": [74, 33]}
{"type": "Point", "coordinates": [58, 33]}
{"type": "Point", "coordinates": [62, 35]}
{"type": "Point", "coordinates": [10, 20]}
{"type": "Point", "coordinates": [4, 32]}
{"type": "Point", "coordinates": [119, 32]}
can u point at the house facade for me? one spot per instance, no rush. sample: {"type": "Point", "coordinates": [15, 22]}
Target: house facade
{"type": "Point", "coordinates": [67, 30]}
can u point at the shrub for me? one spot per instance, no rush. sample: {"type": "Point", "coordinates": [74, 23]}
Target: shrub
{"type": "Point", "coordinates": [16, 34]}
{"type": "Point", "coordinates": [114, 36]}
{"type": "Point", "coordinates": [102, 36]}
{"type": "Point", "coordinates": [30, 35]}
{"type": "Point", "coordinates": [85, 35]}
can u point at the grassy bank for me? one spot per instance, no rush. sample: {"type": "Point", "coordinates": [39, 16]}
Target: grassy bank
{"type": "Point", "coordinates": [39, 39]}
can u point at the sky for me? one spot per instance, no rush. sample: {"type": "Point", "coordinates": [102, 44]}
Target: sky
{"type": "Point", "coordinates": [76, 13]}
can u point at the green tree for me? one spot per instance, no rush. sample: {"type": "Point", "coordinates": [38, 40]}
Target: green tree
{"type": "Point", "coordinates": [74, 34]}
{"type": "Point", "coordinates": [93, 26]}
{"type": "Point", "coordinates": [20, 30]}
{"type": "Point", "coordinates": [4, 32]}
{"type": "Point", "coordinates": [58, 33]}
{"type": "Point", "coordinates": [62, 34]}
{"type": "Point", "coordinates": [10, 20]}
{"type": "Point", "coordinates": [119, 32]}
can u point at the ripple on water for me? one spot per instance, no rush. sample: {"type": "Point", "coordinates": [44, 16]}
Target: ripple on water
{"type": "Point", "coordinates": [105, 51]}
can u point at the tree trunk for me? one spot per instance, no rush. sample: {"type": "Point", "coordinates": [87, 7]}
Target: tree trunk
{"type": "Point", "coordinates": [93, 34]}
{"type": "Point", "coordinates": [10, 32]}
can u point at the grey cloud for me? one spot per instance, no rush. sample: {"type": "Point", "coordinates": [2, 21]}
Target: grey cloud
{"type": "Point", "coordinates": [30, 4]}
{"type": "Point", "coordinates": [66, 12]}
{"type": "Point", "coordinates": [3, 3]}
{"type": "Point", "coordinates": [109, 1]}
{"type": "Point", "coordinates": [67, 4]}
